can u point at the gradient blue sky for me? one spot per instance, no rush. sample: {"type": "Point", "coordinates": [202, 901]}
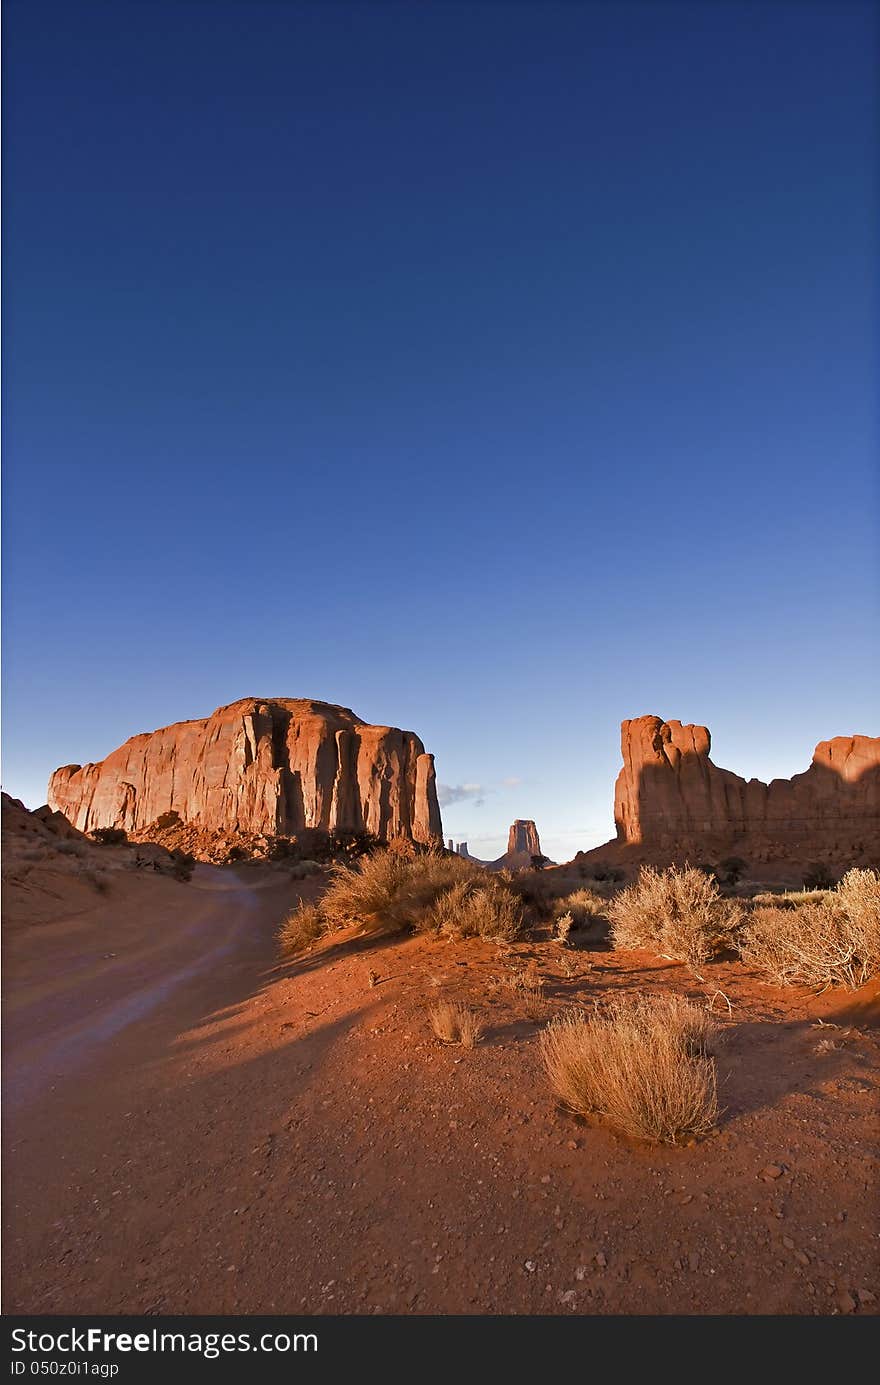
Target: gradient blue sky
{"type": "Point", "coordinates": [497, 370]}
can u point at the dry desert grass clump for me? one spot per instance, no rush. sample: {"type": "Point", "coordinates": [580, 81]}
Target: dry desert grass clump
{"type": "Point", "coordinates": [455, 1024]}
{"type": "Point", "coordinates": [399, 889]}
{"type": "Point", "coordinates": [302, 927]}
{"type": "Point", "coordinates": [643, 1066]}
{"type": "Point", "coordinates": [479, 907]}
{"type": "Point", "coordinates": [832, 942]}
{"type": "Point", "coordinates": [391, 889]}
{"type": "Point", "coordinates": [584, 906]}
{"type": "Point", "coordinates": [679, 914]}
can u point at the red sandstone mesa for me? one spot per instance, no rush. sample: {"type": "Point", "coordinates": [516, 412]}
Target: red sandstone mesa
{"type": "Point", "coordinates": [670, 794]}
{"type": "Point", "coordinates": [275, 766]}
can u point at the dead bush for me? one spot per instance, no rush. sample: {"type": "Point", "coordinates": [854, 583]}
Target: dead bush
{"type": "Point", "coordinates": [679, 914]}
{"type": "Point", "coordinates": [480, 907]}
{"type": "Point", "coordinates": [562, 927]}
{"type": "Point", "coordinates": [643, 1066]}
{"type": "Point", "coordinates": [302, 927]}
{"type": "Point", "coordinates": [585, 907]}
{"type": "Point", "coordinates": [832, 942]}
{"type": "Point", "coordinates": [391, 889]}
{"type": "Point", "coordinates": [455, 1024]}
{"type": "Point", "coordinates": [401, 888]}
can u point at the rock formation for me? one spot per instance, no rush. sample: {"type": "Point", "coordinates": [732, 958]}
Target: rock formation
{"type": "Point", "coordinates": [669, 794]}
{"type": "Point", "coordinates": [273, 766]}
{"type": "Point", "coordinates": [522, 839]}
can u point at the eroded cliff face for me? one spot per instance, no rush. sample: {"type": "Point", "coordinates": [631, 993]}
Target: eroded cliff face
{"type": "Point", "coordinates": [273, 766]}
{"type": "Point", "coordinates": [670, 794]}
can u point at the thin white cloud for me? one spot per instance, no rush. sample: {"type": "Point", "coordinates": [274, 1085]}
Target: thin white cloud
{"type": "Point", "coordinates": [461, 793]}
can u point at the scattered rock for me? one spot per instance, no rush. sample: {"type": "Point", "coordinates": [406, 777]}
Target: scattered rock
{"type": "Point", "coordinates": [770, 1172]}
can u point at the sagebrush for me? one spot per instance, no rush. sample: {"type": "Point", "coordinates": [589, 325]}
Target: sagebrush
{"type": "Point", "coordinates": [832, 941]}
{"type": "Point", "coordinates": [677, 913]}
{"type": "Point", "coordinates": [302, 927]}
{"type": "Point", "coordinates": [644, 1066]}
{"type": "Point", "coordinates": [399, 888]}
{"type": "Point", "coordinates": [454, 1023]}
{"type": "Point", "coordinates": [585, 907]}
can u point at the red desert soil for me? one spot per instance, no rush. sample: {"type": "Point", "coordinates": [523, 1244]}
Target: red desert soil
{"type": "Point", "coordinates": [193, 1127]}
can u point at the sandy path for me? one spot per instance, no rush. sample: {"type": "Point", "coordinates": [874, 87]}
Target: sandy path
{"type": "Point", "coordinates": [54, 1029]}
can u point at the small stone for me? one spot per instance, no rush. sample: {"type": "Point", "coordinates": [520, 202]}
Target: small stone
{"type": "Point", "coordinates": [581, 1273]}
{"type": "Point", "coordinates": [568, 1297]}
{"type": "Point", "coordinates": [572, 1144]}
{"type": "Point", "coordinates": [788, 1243]}
{"type": "Point", "coordinates": [545, 1178]}
{"type": "Point", "coordinates": [865, 1296]}
{"type": "Point", "coordinates": [601, 1260]}
{"type": "Point", "coordinates": [845, 1302]}
{"type": "Point", "coordinates": [531, 1266]}
{"type": "Point", "coordinates": [802, 1258]}
{"type": "Point", "coordinates": [771, 1171]}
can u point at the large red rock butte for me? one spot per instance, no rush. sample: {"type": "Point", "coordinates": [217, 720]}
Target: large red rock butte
{"type": "Point", "coordinates": [669, 794]}
{"type": "Point", "coordinates": [275, 766]}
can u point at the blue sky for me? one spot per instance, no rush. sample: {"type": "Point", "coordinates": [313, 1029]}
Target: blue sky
{"type": "Point", "coordinates": [497, 370]}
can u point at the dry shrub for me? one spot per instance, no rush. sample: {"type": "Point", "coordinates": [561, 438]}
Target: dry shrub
{"type": "Point", "coordinates": [644, 1066]}
{"type": "Point", "coordinates": [533, 887]}
{"type": "Point", "coordinates": [455, 1024]}
{"type": "Point", "coordinates": [302, 927]}
{"type": "Point", "coordinates": [585, 907]}
{"type": "Point", "coordinates": [401, 888]}
{"type": "Point", "coordinates": [835, 942]}
{"type": "Point", "coordinates": [391, 889]}
{"type": "Point", "coordinates": [679, 914]}
{"type": "Point", "coordinates": [481, 907]}
{"type": "Point", "coordinates": [562, 927]}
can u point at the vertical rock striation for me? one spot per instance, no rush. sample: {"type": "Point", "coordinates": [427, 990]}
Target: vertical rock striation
{"type": "Point", "coordinates": [274, 766]}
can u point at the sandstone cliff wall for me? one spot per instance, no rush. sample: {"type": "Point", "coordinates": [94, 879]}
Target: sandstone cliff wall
{"type": "Point", "coordinates": [269, 766]}
{"type": "Point", "coordinates": [670, 794]}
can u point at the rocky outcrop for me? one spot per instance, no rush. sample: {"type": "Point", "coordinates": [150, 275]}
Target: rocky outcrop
{"type": "Point", "coordinates": [669, 794]}
{"type": "Point", "coordinates": [272, 766]}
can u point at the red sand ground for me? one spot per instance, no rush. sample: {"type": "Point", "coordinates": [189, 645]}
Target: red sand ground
{"type": "Point", "coordinates": [193, 1128]}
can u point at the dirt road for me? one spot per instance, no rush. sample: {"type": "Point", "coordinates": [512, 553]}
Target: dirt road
{"type": "Point", "coordinates": [193, 1128]}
